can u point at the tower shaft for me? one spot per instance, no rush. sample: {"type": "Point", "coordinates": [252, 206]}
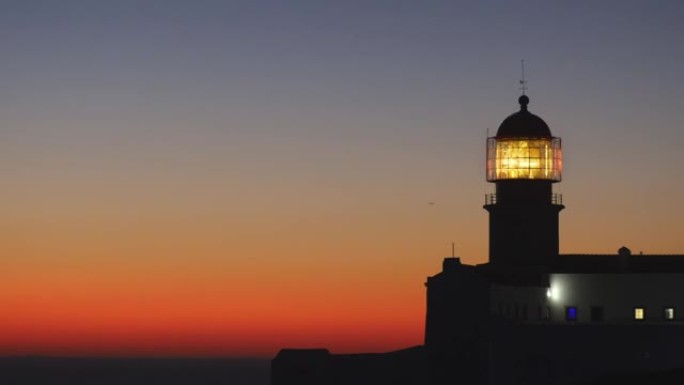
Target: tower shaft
{"type": "Point", "coordinates": [523, 223]}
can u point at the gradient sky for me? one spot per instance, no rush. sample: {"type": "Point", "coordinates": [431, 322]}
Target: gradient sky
{"type": "Point", "coordinates": [233, 177]}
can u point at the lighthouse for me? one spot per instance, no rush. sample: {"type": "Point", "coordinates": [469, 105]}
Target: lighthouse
{"type": "Point", "coordinates": [515, 319]}
{"type": "Point", "coordinates": [524, 160]}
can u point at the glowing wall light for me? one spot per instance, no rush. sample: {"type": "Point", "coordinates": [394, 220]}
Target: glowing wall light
{"type": "Point", "coordinates": [553, 293]}
{"type": "Point", "coordinates": [524, 158]}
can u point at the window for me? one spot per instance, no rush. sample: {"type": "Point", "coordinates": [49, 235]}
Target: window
{"type": "Point", "coordinates": [669, 314]}
{"type": "Point", "coordinates": [571, 313]}
{"type": "Point", "coordinates": [639, 313]}
{"type": "Point", "coordinates": [596, 313]}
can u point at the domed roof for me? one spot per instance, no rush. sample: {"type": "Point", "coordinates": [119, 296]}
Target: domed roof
{"type": "Point", "coordinates": [523, 124]}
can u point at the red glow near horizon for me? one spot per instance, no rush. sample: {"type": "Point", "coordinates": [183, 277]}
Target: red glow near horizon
{"type": "Point", "coordinates": [76, 316]}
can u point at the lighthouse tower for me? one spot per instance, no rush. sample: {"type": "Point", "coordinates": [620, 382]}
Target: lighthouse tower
{"type": "Point", "coordinates": [523, 160]}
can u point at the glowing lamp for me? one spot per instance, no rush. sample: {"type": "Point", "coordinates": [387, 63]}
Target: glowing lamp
{"type": "Point", "coordinates": [524, 158]}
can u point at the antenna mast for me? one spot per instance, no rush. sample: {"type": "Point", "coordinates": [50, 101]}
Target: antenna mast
{"type": "Point", "coordinates": [523, 82]}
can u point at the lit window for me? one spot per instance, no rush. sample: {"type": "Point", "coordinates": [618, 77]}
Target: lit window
{"type": "Point", "coordinates": [669, 314]}
{"type": "Point", "coordinates": [639, 313]}
{"type": "Point", "coordinates": [571, 313]}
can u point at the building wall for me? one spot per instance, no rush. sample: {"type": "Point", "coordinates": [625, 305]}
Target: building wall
{"type": "Point", "coordinates": [563, 353]}
{"type": "Point", "coordinates": [618, 295]}
{"type": "Point", "coordinates": [615, 295]}
{"type": "Point", "coordinates": [521, 303]}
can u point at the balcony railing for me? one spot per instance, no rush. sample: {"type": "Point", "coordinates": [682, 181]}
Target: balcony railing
{"type": "Point", "coordinates": [556, 199]}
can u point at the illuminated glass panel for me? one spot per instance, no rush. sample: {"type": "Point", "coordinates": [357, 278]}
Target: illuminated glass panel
{"type": "Point", "coordinates": [571, 313]}
{"type": "Point", "coordinates": [639, 313]}
{"type": "Point", "coordinates": [524, 158]}
{"type": "Point", "coordinates": [669, 313]}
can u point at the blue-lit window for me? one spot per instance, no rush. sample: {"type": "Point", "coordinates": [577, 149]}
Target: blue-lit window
{"type": "Point", "coordinates": [571, 313]}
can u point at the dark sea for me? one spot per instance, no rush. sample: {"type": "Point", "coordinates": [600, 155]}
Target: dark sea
{"type": "Point", "coordinates": [133, 371]}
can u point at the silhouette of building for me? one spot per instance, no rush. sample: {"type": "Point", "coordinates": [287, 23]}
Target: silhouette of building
{"type": "Point", "coordinates": [530, 315]}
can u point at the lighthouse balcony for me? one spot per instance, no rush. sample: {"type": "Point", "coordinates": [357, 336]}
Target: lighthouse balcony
{"type": "Point", "coordinates": [556, 199]}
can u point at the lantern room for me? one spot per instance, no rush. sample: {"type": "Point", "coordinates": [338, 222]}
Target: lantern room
{"type": "Point", "coordinates": [524, 149]}
{"type": "Point", "coordinates": [524, 158]}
